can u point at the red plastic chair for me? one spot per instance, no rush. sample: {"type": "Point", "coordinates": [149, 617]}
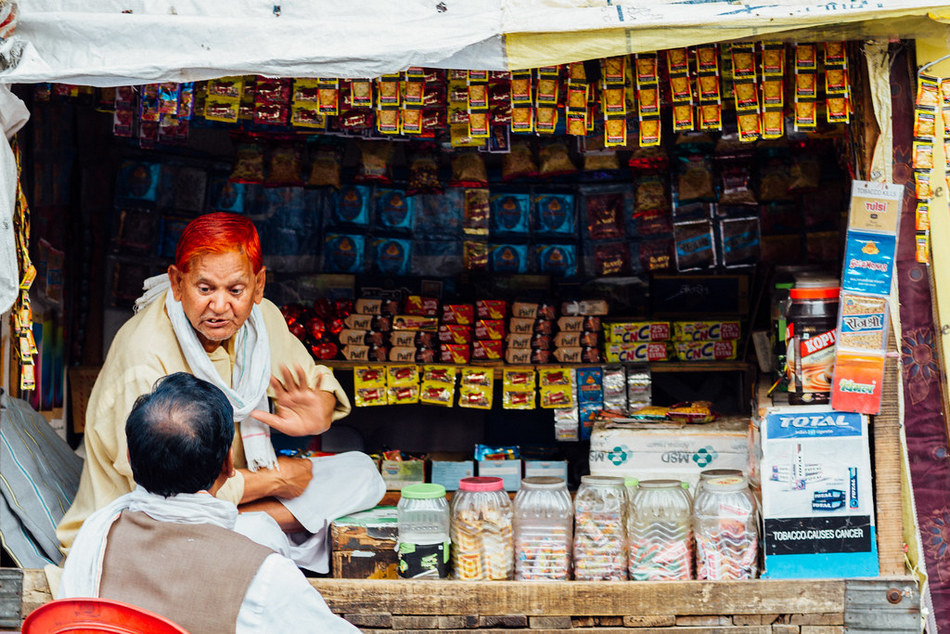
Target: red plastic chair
{"type": "Point", "coordinates": [95, 616]}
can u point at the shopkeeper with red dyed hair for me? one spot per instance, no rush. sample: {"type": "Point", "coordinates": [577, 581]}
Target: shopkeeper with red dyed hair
{"type": "Point", "coordinates": [215, 324]}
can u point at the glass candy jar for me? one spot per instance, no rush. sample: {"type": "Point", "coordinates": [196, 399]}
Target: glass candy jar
{"type": "Point", "coordinates": [659, 532]}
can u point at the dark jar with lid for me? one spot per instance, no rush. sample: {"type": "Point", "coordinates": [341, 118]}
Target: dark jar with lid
{"type": "Point", "coordinates": [812, 331]}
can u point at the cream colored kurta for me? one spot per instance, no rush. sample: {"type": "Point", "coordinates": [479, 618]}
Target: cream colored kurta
{"type": "Point", "coordinates": [144, 350]}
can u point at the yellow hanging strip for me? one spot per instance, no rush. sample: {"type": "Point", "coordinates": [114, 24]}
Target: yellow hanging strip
{"type": "Point", "coordinates": [22, 313]}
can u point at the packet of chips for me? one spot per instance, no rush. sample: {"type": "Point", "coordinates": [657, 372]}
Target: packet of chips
{"type": "Point", "coordinates": [438, 385]}
{"type": "Point", "coordinates": [325, 167]}
{"type": "Point", "coordinates": [692, 412]}
{"type": "Point", "coordinates": [519, 388]}
{"type": "Point", "coordinates": [468, 170]}
{"type": "Point", "coordinates": [374, 162]}
{"type": "Point", "coordinates": [649, 414]}
{"type": "Point", "coordinates": [555, 160]}
{"type": "Point", "coordinates": [285, 165]}
{"type": "Point", "coordinates": [475, 388]}
{"type": "Point", "coordinates": [369, 383]}
{"type": "Point", "coordinates": [519, 162]}
{"type": "Point", "coordinates": [248, 163]}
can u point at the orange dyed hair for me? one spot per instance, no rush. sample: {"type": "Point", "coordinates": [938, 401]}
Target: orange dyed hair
{"type": "Point", "coordinates": [219, 232]}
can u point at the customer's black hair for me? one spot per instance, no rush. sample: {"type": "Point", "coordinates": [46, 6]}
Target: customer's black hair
{"type": "Point", "coordinates": [179, 435]}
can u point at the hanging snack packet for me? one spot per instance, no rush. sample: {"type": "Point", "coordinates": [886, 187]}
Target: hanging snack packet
{"type": "Point", "coordinates": [475, 256]}
{"type": "Point", "coordinates": [325, 167]}
{"type": "Point", "coordinates": [694, 180]}
{"type": "Point", "coordinates": [555, 160]}
{"type": "Point", "coordinates": [392, 256]}
{"type": "Point", "coordinates": [519, 388]}
{"type": "Point", "coordinates": [475, 388]}
{"type": "Point", "coordinates": [343, 253]}
{"type": "Point", "coordinates": [477, 212]}
{"type": "Point", "coordinates": [285, 165]}
{"type": "Point", "coordinates": [424, 174]}
{"type": "Point", "coordinates": [369, 383]}
{"type": "Point", "coordinates": [248, 163]}
{"type": "Point", "coordinates": [468, 170]}
{"type": "Point", "coordinates": [557, 396]}
{"type": "Point", "coordinates": [374, 162]}
{"type": "Point", "coordinates": [558, 260]}
{"type": "Point", "coordinates": [393, 210]}
{"type": "Point", "coordinates": [519, 162]}
{"type": "Point", "coordinates": [605, 216]}
{"type": "Point", "coordinates": [438, 385]}
{"type": "Point", "coordinates": [508, 259]}
{"type": "Point", "coordinates": [554, 214]}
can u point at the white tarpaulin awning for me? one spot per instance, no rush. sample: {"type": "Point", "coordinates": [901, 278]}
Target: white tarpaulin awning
{"type": "Point", "coordinates": [116, 42]}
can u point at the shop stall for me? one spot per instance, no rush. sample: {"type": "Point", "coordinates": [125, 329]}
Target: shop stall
{"type": "Point", "coordinates": [538, 241]}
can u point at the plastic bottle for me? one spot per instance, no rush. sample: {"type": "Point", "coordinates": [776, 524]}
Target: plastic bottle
{"type": "Point", "coordinates": [659, 532]}
{"type": "Point", "coordinates": [600, 535]}
{"type": "Point", "coordinates": [725, 528]}
{"type": "Point", "coordinates": [544, 528]}
{"type": "Point", "coordinates": [481, 530]}
{"type": "Point", "coordinates": [424, 543]}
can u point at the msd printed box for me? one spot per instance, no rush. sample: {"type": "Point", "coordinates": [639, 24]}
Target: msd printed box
{"type": "Point", "coordinates": [817, 502]}
{"type": "Point", "coordinates": [650, 451]}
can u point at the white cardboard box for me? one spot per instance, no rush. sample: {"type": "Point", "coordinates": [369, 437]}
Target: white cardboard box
{"type": "Point", "coordinates": [817, 500]}
{"type": "Point", "coordinates": [662, 451]}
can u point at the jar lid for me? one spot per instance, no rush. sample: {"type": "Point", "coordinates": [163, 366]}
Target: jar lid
{"type": "Point", "coordinates": [630, 482]}
{"type": "Point", "coordinates": [660, 484]}
{"type": "Point", "coordinates": [726, 483]}
{"type": "Point", "coordinates": [827, 292]}
{"type": "Point", "coordinates": [602, 480]}
{"type": "Point", "coordinates": [717, 473]}
{"type": "Point", "coordinates": [542, 482]}
{"type": "Point", "coordinates": [423, 491]}
{"type": "Point", "coordinates": [481, 483]}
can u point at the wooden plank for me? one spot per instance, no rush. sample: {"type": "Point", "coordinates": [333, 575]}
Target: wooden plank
{"type": "Point", "coordinates": [580, 598]}
{"type": "Point", "coordinates": [887, 473]}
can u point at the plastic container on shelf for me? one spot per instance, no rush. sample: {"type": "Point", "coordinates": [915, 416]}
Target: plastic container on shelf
{"type": "Point", "coordinates": [482, 530]}
{"type": "Point", "coordinates": [544, 527]}
{"type": "Point", "coordinates": [725, 528]}
{"type": "Point", "coordinates": [600, 535]}
{"type": "Point", "coordinates": [812, 321]}
{"type": "Point", "coordinates": [706, 474]}
{"type": "Point", "coordinates": [659, 532]}
{"type": "Point", "coordinates": [423, 524]}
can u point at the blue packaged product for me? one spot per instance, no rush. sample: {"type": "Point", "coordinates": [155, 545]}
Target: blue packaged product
{"type": "Point", "coordinates": [590, 385]}
{"type": "Point", "coordinates": [351, 206]}
{"type": "Point", "coordinates": [509, 258]}
{"type": "Point", "coordinates": [587, 414]}
{"type": "Point", "coordinates": [138, 181]}
{"type": "Point", "coordinates": [393, 210]}
{"type": "Point", "coordinates": [510, 214]}
{"type": "Point", "coordinates": [868, 263]}
{"type": "Point", "coordinates": [559, 260]}
{"type": "Point", "coordinates": [227, 196]}
{"type": "Point", "coordinates": [853, 487]}
{"type": "Point", "coordinates": [438, 215]}
{"type": "Point", "coordinates": [826, 505]}
{"type": "Point", "coordinates": [392, 256]}
{"type": "Point", "coordinates": [830, 494]}
{"type": "Point", "coordinates": [554, 214]}
{"type": "Point", "coordinates": [343, 253]}
{"type": "Point", "coordinates": [694, 245]}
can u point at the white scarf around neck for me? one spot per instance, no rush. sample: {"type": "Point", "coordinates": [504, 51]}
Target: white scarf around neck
{"type": "Point", "coordinates": [83, 567]}
{"type": "Point", "coordinates": [250, 375]}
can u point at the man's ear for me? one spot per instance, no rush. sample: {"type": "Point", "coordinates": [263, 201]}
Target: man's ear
{"type": "Point", "coordinates": [176, 278]}
{"type": "Point", "coordinates": [227, 469]}
{"type": "Point", "coordinates": [259, 280]}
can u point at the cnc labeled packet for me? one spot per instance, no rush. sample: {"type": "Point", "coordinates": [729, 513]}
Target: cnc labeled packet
{"type": "Point", "coordinates": [817, 504]}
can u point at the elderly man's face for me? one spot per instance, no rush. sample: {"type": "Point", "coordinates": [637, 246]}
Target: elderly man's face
{"type": "Point", "coordinates": [217, 294]}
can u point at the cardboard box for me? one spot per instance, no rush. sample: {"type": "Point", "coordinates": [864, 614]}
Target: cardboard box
{"type": "Point", "coordinates": [363, 544]}
{"type": "Point", "coordinates": [449, 472]}
{"type": "Point", "coordinates": [817, 500]}
{"type": "Point", "coordinates": [541, 468]}
{"type": "Point", "coordinates": [508, 470]}
{"type": "Point", "coordinates": [399, 473]}
{"type": "Point", "coordinates": [659, 450]}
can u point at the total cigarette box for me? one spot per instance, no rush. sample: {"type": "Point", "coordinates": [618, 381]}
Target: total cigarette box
{"type": "Point", "coordinates": [650, 451]}
{"type": "Point", "coordinates": [817, 503]}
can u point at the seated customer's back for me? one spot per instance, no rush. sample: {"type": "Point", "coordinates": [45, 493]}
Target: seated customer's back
{"type": "Point", "coordinates": [169, 546]}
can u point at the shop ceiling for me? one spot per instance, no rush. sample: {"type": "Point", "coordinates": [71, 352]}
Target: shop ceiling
{"type": "Point", "coordinates": [121, 42]}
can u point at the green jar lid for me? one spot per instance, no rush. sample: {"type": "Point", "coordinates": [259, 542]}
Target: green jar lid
{"type": "Point", "coordinates": [423, 491]}
{"type": "Point", "coordinates": [630, 482]}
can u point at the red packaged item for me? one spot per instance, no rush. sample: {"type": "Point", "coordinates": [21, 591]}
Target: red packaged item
{"type": "Point", "coordinates": [426, 339]}
{"type": "Point", "coordinates": [493, 329]}
{"type": "Point", "coordinates": [462, 314]}
{"type": "Point", "coordinates": [415, 322]}
{"type": "Point", "coordinates": [487, 350]}
{"type": "Point", "coordinates": [324, 351]}
{"type": "Point", "coordinates": [425, 355]}
{"type": "Point", "coordinates": [460, 353]}
{"type": "Point", "coordinates": [455, 333]}
{"type": "Point", "coordinates": [425, 306]}
{"type": "Point", "coordinates": [541, 356]}
{"type": "Point", "coordinates": [543, 327]}
{"type": "Point", "coordinates": [378, 353]}
{"type": "Point", "coordinates": [542, 342]}
{"type": "Point", "coordinates": [491, 308]}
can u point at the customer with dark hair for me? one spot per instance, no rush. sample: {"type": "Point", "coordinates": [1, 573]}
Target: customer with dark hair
{"type": "Point", "coordinates": [170, 546]}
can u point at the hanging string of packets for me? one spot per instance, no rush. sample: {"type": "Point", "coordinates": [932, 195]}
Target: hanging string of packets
{"type": "Point", "coordinates": [522, 388]}
{"type": "Point", "coordinates": [22, 313]}
{"type": "Point", "coordinates": [931, 106]}
{"type": "Point", "coordinates": [617, 95]}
